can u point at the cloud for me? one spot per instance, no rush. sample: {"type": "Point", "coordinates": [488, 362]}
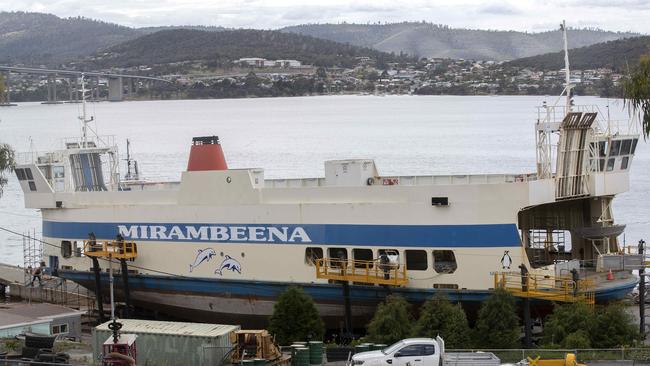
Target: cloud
{"type": "Point", "coordinates": [500, 9]}
{"type": "Point", "coordinates": [523, 15]}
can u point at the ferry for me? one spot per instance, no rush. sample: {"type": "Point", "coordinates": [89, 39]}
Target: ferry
{"type": "Point", "coordinates": [222, 244]}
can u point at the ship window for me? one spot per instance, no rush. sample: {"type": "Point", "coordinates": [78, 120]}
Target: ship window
{"type": "Point", "coordinates": [20, 173]}
{"type": "Point", "coordinates": [625, 147]}
{"type": "Point", "coordinates": [634, 141]}
{"type": "Point", "coordinates": [624, 162]}
{"type": "Point", "coordinates": [28, 173]}
{"type": "Point", "coordinates": [444, 261]}
{"type": "Point", "coordinates": [615, 148]}
{"type": "Point", "coordinates": [339, 254]}
{"type": "Point", "coordinates": [313, 254]}
{"type": "Point", "coordinates": [58, 171]}
{"type": "Point", "coordinates": [601, 165]}
{"type": "Point", "coordinates": [391, 254]}
{"type": "Point", "coordinates": [32, 186]}
{"type": "Point", "coordinates": [363, 256]}
{"type": "Point", "coordinates": [78, 248]}
{"type": "Point", "coordinates": [66, 249]}
{"type": "Point", "coordinates": [602, 148]}
{"type": "Point", "coordinates": [610, 164]}
{"type": "Point", "coordinates": [416, 260]}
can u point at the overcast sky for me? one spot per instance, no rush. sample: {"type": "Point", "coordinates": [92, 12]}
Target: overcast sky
{"type": "Point", "coordinates": [523, 15]}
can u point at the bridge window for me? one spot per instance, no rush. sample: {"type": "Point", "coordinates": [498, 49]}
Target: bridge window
{"type": "Point", "coordinates": [32, 185]}
{"type": "Point", "coordinates": [626, 146]}
{"type": "Point", "coordinates": [615, 148]}
{"type": "Point", "coordinates": [364, 255]}
{"type": "Point", "coordinates": [602, 148]}
{"type": "Point", "coordinates": [28, 174]}
{"type": "Point", "coordinates": [624, 162]}
{"type": "Point", "coordinates": [58, 171]}
{"type": "Point", "coordinates": [312, 255]}
{"type": "Point", "coordinates": [610, 164]}
{"type": "Point", "coordinates": [20, 173]}
{"type": "Point", "coordinates": [416, 260]}
{"type": "Point", "coordinates": [444, 261]}
{"type": "Point", "coordinates": [66, 249]}
{"type": "Point", "coordinates": [634, 141]}
{"type": "Point", "coordinates": [338, 254]}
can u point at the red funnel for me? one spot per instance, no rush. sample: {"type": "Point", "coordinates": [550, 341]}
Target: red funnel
{"type": "Point", "coordinates": [206, 154]}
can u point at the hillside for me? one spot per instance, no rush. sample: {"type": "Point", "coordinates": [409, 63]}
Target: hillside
{"type": "Point", "coordinates": [178, 45]}
{"type": "Point", "coordinates": [36, 38]}
{"type": "Point", "coordinates": [617, 55]}
{"type": "Point", "coordinates": [432, 40]}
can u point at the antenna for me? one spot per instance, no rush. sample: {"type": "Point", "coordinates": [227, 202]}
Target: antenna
{"type": "Point", "coordinates": [84, 120]}
{"type": "Point", "coordinates": [567, 72]}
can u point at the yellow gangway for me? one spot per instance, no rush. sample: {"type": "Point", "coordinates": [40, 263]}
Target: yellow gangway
{"type": "Point", "coordinates": [369, 272]}
{"type": "Point", "coordinates": [551, 288]}
{"type": "Point", "coordinates": [111, 249]}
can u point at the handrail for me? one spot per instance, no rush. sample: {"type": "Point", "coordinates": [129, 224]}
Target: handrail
{"type": "Point", "coordinates": [111, 249]}
{"type": "Point", "coordinates": [552, 288]}
{"type": "Point", "coordinates": [371, 272]}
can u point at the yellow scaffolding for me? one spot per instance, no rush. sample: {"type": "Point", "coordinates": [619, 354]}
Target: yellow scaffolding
{"type": "Point", "coordinates": [111, 249]}
{"type": "Point", "coordinates": [370, 272]}
{"type": "Point", "coordinates": [560, 289]}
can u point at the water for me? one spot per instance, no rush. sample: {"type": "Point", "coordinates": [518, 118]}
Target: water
{"type": "Point", "coordinates": [291, 137]}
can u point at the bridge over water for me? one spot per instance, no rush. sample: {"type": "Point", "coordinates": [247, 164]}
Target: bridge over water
{"type": "Point", "coordinates": [116, 83]}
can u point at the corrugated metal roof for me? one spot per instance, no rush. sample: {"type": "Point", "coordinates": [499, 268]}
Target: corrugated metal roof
{"type": "Point", "coordinates": [172, 328]}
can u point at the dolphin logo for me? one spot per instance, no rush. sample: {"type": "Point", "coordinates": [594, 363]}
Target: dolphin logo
{"type": "Point", "coordinates": [228, 263]}
{"type": "Point", "coordinates": [204, 255]}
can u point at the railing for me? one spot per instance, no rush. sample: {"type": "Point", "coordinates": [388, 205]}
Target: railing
{"type": "Point", "coordinates": [370, 272]}
{"type": "Point", "coordinates": [551, 288]}
{"type": "Point", "coordinates": [410, 180]}
{"type": "Point", "coordinates": [111, 249]}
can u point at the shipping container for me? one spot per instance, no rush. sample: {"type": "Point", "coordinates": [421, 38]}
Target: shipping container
{"type": "Point", "coordinates": [171, 343]}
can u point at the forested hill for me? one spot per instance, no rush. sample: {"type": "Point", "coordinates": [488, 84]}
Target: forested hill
{"type": "Point", "coordinates": [434, 40]}
{"type": "Point", "coordinates": [37, 38]}
{"type": "Point", "coordinates": [220, 48]}
{"type": "Point", "coordinates": [618, 55]}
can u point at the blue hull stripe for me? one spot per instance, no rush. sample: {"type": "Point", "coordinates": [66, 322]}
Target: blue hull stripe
{"type": "Point", "coordinates": [468, 236]}
{"type": "Point", "coordinates": [320, 292]}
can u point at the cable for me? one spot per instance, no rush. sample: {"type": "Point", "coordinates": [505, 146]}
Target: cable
{"type": "Point", "coordinates": [104, 259]}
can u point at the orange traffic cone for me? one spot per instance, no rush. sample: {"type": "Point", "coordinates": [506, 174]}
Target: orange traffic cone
{"type": "Point", "coordinates": [610, 275]}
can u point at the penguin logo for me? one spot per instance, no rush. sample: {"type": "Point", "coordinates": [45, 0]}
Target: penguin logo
{"type": "Point", "coordinates": [506, 261]}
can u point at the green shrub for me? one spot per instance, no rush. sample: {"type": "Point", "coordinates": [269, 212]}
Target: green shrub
{"type": "Point", "coordinates": [565, 320]}
{"type": "Point", "coordinates": [497, 325]}
{"type": "Point", "coordinates": [438, 316]}
{"type": "Point", "coordinates": [614, 328]}
{"type": "Point", "coordinates": [295, 318]}
{"type": "Point", "coordinates": [392, 321]}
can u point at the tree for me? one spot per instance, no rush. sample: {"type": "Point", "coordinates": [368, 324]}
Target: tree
{"type": "Point", "coordinates": [497, 325]}
{"type": "Point", "coordinates": [295, 317]}
{"type": "Point", "coordinates": [614, 328]}
{"type": "Point", "coordinates": [6, 163]}
{"type": "Point", "coordinates": [578, 326]}
{"type": "Point", "coordinates": [438, 316]}
{"type": "Point", "coordinates": [392, 321]}
{"type": "Point", "coordinates": [636, 93]}
{"type": "Point", "coordinates": [563, 325]}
